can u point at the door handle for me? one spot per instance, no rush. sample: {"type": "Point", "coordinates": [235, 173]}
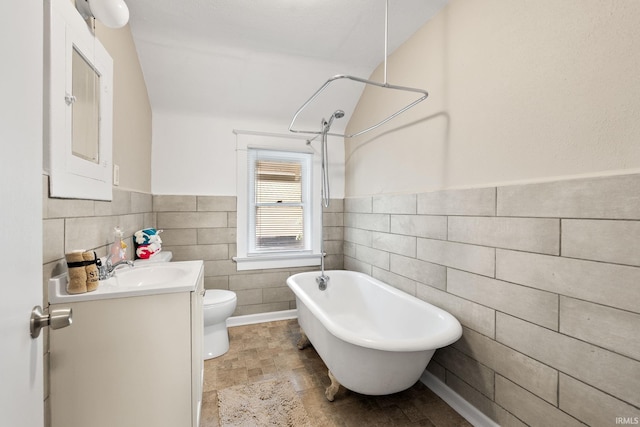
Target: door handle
{"type": "Point", "coordinates": [56, 319]}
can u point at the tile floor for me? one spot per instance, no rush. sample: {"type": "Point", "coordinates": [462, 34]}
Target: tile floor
{"type": "Point", "coordinates": [266, 350]}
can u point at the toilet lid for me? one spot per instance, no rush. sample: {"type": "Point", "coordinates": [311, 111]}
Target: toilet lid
{"type": "Point", "coordinates": [217, 296]}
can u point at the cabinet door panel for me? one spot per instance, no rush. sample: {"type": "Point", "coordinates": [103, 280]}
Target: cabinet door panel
{"type": "Point", "coordinates": [124, 362]}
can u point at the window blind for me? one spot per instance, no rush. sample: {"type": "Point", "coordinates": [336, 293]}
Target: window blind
{"type": "Point", "coordinates": [279, 201]}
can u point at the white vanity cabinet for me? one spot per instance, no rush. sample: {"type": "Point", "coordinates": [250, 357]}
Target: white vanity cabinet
{"type": "Point", "coordinates": [129, 361]}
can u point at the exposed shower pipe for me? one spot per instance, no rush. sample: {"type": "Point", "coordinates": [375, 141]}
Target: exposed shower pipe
{"type": "Point", "coordinates": [326, 195]}
{"type": "Point", "coordinates": [325, 125]}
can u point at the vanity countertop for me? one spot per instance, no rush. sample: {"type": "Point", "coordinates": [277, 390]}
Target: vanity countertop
{"type": "Point", "coordinates": [156, 278]}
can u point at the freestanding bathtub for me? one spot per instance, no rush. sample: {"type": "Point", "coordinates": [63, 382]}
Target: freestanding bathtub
{"type": "Point", "coordinates": [374, 338]}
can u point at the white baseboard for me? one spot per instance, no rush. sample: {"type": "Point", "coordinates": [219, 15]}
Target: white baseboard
{"type": "Point", "coordinates": [457, 402]}
{"type": "Point", "coordinates": [250, 319]}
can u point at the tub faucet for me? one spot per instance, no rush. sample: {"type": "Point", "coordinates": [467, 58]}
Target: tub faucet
{"type": "Point", "coordinates": [108, 269]}
{"type": "Point", "coordinates": [322, 282]}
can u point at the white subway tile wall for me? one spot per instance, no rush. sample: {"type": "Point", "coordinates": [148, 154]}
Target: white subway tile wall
{"type": "Point", "coordinates": [545, 279]}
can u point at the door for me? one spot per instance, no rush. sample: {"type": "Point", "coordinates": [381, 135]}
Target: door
{"type": "Point", "coordinates": [21, 100]}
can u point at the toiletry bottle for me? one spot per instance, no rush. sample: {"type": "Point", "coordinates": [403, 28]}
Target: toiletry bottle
{"type": "Point", "coordinates": [119, 247]}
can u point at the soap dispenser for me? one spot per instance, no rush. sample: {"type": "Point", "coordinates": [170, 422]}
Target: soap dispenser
{"type": "Point", "coordinates": [118, 247]}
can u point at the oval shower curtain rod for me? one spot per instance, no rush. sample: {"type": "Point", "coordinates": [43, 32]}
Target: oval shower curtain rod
{"type": "Point", "coordinates": [385, 85]}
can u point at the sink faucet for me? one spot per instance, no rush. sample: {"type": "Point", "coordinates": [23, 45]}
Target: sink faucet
{"type": "Point", "coordinates": [108, 269]}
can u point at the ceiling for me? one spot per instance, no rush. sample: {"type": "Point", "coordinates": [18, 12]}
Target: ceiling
{"type": "Point", "coordinates": [257, 60]}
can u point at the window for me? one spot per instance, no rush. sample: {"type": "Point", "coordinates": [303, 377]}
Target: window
{"type": "Point", "coordinates": [278, 204]}
{"type": "Point", "coordinates": [279, 207]}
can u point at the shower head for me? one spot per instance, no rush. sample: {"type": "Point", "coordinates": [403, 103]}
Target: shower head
{"type": "Point", "coordinates": [338, 114]}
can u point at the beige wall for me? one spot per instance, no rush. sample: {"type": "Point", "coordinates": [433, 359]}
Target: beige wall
{"type": "Point", "coordinates": [131, 110]}
{"type": "Point", "coordinates": [539, 275]}
{"type": "Point", "coordinates": [519, 91]}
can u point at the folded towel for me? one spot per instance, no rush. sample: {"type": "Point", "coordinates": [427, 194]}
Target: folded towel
{"type": "Point", "coordinates": [147, 242]}
{"type": "Point", "coordinates": [77, 283]}
{"type": "Point", "coordinates": [147, 236]}
{"type": "Point", "coordinates": [91, 268]}
{"type": "Point", "coordinates": [147, 251]}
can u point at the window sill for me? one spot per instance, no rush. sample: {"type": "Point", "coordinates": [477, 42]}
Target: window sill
{"type": "Point", "coordinates": [260, 262]}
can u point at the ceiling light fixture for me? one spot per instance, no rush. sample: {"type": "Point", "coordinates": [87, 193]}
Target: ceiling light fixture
{"type": "Point", "coordinates": [112, 13]}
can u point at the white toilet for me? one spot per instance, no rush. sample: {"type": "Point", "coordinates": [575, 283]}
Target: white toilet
{"type": "Point", "coordinates": [219, 304]}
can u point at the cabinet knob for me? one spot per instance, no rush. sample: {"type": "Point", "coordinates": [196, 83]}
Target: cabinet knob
{"type": "Point", "coordinates": [69, 99]}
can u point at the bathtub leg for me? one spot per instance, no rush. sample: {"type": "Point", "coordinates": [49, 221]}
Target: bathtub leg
{"type": "Point", "coordinates": [331, 391]}
{"type": "Point", "coordinates": [303, 342]}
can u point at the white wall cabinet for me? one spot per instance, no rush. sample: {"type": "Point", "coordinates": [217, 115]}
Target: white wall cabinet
{"type": "Point", "coordinates": [129, 362]}
{"type": "Point", "coordinates": [78, 114]}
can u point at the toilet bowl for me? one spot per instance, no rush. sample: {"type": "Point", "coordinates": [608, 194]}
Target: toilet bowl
{"type": "Point", "coordinates": [218, 305]}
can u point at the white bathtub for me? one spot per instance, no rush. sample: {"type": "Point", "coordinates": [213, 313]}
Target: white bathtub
{"type": "Point", "coordinates": [373, 338]}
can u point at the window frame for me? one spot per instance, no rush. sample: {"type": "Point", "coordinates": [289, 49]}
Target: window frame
{"type": "Point", "coordinates": [306, 162]}
{"type": "Point", "coordinates": [247, 260]}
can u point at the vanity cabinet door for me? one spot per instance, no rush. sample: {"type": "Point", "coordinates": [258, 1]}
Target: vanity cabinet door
{"type": "Point", "coordinates": [124, 362]}
{"type": "Point", "coordinates": [197, 360]}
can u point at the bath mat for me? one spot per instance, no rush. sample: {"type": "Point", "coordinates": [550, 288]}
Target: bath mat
{"type": "Point", "coordinates": [266, 403]}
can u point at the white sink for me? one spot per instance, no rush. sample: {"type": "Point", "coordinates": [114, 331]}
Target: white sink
{"type": "Point", "coordinates": [159, 274]}
{"type": "Point", "coordinates": [156, 278]}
